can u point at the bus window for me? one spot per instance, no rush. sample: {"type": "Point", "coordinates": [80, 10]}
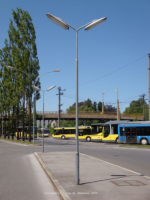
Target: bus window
{"type": "Point", "coordinates": [100, 129]}
{"type": "Point", "coordinates": [122, 132]}
{"type": "Point", "coordinates": [138, 131]}
{"type": "Point", "coordinates": [57, 132]}
{"type": "Point", "coordinates": [66, 132]}
{"type": "Point", "coordinates": [147, 130]}
{"type": "Point", "coordinates": [94, 130]}
{"type": "Point", "coordinates": [87, 132]}
{"type": "Point", "coordinates": [81, 132]}
{"type": "Point", "coordinates": [141, 131]}
{"type": "Point", "coordinates": [106, 131]}
{"type": "Point", "coordinates": [114, 127]}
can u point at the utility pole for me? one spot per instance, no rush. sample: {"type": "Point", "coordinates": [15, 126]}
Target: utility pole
{"type": "Point", "coordinates": [149, 86]}
{"type": "Point", "coordinates": [143, 96]}
{"type": "Point", "coordinates": [59, 105]}
{"type": "Point", "coordinates": [103, 103]}
{"type": "Point", "coordinates": [84, 115]}
{"type": "Point", "coordinates": [118, 111]}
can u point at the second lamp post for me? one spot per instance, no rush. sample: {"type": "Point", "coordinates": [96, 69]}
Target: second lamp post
{"type": "Point", "coordinates": [38, 89]}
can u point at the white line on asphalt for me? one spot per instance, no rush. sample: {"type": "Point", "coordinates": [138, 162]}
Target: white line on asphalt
{"type": "Point", "coordinates": [116, 166]}
{"type": "Point", "coordinates": [133, 148]}
{"type": "Point", "coordinates": [14, 143]}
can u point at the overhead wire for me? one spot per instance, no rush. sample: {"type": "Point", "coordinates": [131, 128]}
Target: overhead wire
{"type": "Point", "coordinates": [110, 72]}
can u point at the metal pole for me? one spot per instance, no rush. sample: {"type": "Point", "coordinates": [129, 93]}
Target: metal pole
{"type": "Point", "coordinates": [59, 106]}
{"type": "Point", "coordinates": [43, 124]}
{"type": "Point", "coordinates": [33, 114]}
{"type": "Point", "coordinates": [77, 142]}
{"type": "Point", "coordinates": [143, 108]}
{"type": "Point", "coordinates": [149, 85]}
{"type": "Point", "coordinates": [2, 124]}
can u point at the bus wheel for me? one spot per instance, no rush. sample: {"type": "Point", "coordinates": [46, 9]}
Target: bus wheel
{"type": "Point", "coordinates": [63, 137]}
{"type": "Point", "coordinates": [88, 139]}
{"type": "Point", "coordinates": [144, 141]}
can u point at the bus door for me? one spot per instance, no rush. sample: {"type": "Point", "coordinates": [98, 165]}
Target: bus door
{"type": "Point", "coordinates": [131, 135]}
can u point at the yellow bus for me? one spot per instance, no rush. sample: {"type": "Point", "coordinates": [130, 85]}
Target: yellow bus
{"type": "Point", "coordinates": [110, 131]}
{"type": "Point", "coordinates": [94, 135]}
{"type": "Point", "coordinates": [26, 130]}
{"type": "Point", "coordinates": [46, 132]}
{"type": "Point", "coordinates": [70, 132]}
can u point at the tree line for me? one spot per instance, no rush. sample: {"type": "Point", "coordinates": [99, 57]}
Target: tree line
{"type": "Point", "coordinates": [87, 106]}
{"type": "Point", "coordinates": [20, 52]}
{"type": "Point", "coordinates": [135, 107]}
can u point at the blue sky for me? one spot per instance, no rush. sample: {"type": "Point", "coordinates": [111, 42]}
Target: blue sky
{"type": "Point", "coordinates": [112, 55]}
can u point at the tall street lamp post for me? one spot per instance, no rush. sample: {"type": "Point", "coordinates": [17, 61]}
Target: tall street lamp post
{"type": "Point", "coordinates": [34, 100]}
{"type": "Point", "coordinates": [38, 89]}
{"type": "Point", "coordinates": [103, 103]}
{"type": "Point", "coordinates": [118, 112]}
{"type": "Point", "coordinates": [2, 125]}
{"type": "Point", "coordinates": [66, 26]}
{"type": "Point", "coordinates": [103, 96]}
{"type": "Point", "coordinates": [117, 93]}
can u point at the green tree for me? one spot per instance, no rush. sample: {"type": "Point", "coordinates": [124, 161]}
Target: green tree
{"type": "Point", "coordinates": [99, 106]}
{"type": "Point", "coordinates": [110, 108]}
{"type": "Point", "coordinates": [86, 106]}
{"type": "Point", "coordinates": [51, 129]}
{"type": "Point", "coordinates": [136, 107]}
{"type": "Point", "coordinates": [67, 123]}
{"type": "Point", "coordinates": [6, 86]}
{"type": "Point", "coordinates": [22, 38]}
{"type": "Point", "coordinates": [88, 103]}
{"type": "Point", "coordinates": [94, 106]}
{"type": "Point", "coordinates": [20, 52]}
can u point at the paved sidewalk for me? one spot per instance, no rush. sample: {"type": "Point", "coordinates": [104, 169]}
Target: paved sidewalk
{"type": "Point", "coordinates": [99, 180]}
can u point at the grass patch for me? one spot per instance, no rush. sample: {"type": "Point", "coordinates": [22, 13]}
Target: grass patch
{"type": "Point", "coordinates": [21, 142]}
{"type": "Point", "coordinates": [135, 145]}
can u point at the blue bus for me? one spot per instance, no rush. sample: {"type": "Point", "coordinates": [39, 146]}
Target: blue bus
{"type": "Point", "coordinates": [134, 132]}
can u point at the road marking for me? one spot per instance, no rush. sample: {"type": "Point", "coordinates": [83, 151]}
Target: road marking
{"type": "Point", "coordinates": [117, 166]}
{"type": "Point", "coordinates": [134, 148]}
{"type": "Point", "coordinates": [14, 143]}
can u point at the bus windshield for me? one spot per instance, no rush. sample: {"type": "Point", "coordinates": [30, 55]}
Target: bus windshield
{"type": "Point", "coordinates": [46, 131]}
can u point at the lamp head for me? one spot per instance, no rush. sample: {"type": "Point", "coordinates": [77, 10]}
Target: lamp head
{"type": "Point", "coordinates": [50, 88]}
{"type": "Point", "coordinates": [10, 67]}
{"type": "Point", "coordinates": [95, 23]}
{"type": "Point", "coordinates": [35, 88]}
{"type": "Point", "coordinates": [57, 70]}
{"type": "Point", "coordinates": [58, 21]}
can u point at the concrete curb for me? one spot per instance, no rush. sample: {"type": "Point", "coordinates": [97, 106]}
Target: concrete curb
{"type": "Point", "coordinates": [51, 176]}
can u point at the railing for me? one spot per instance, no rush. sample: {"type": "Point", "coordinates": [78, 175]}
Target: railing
{"type": "Point", "coordinates": [89, 113]}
